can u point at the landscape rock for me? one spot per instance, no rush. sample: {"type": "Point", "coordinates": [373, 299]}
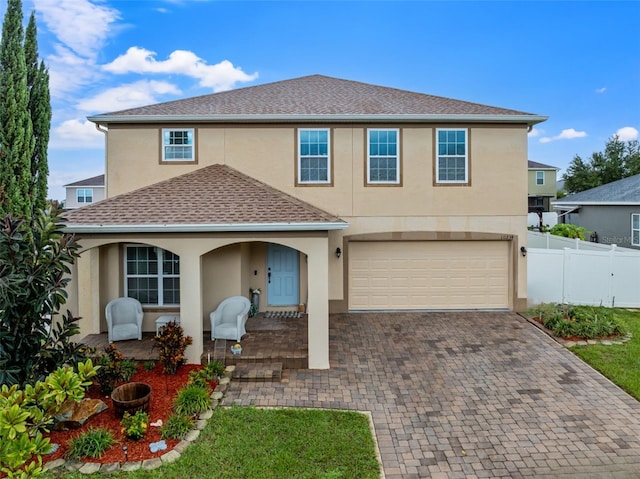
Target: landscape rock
{"type": "Point", "coordinates": [73, 415]}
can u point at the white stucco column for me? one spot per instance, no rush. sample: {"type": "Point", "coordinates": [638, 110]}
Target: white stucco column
{"type": "Point", "coordinates": [318, 308]}
{"type": "Point", "coordinates": [191, 302]}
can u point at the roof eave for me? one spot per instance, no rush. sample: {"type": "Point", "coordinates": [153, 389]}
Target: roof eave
{"type": "Point", "coordinates": [595, 203]}
{"type": "Point", "coordinates": [285, 118]}
{"type": "Point", "coordinates": [204, 228]}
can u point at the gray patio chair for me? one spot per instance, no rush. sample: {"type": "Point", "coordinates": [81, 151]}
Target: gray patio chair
{"type": "Point", "coordinates": [124, 319]}
{"type": "Point", "coordinates": [229, 319]}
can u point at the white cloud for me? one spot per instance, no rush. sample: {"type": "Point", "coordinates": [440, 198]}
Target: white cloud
{"type": "Point", "coordinates": [221, 76]}
{"type": "Point", "coordinates": [627, 133]}
{"type": "Point", "coordinates": [601, 90]}
{"type": "Point", "coordinates": [68, 72]}
{"type": "Point", "coordinates": [535, 132]}
{"type": "Point", "coordinates": [76, 134]}
{"type": "Point", "coordinates": [568, 134]}
{"type": "Point", "coordinates": [131, 95]}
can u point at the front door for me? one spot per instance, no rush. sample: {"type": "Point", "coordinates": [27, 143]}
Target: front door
{"type": "Point", "coordinates": [282, 275]}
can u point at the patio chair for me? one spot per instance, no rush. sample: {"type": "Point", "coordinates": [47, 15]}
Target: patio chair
{"type": "Point", "coordinates": [124, 319]}
{"type": "Point", "coordinates": [229, 319]}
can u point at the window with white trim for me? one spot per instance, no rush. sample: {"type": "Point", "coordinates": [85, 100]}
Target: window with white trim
{"type": "Point", "coordinates": [539, 178]}
{"type": "Point", "coordinates": [152, 275]}
{"type": "Point", "coordinates": [383, 156]}
{"type": "Point", "coordinates": [452, 156]}
{"type": "Point", "coordinates": [313, 156]}
{"type": "Point", "coordinates": [635, 229]}
{"type": "Point", "coordinates": [177, 144]}
{"type": "Point", "coordinates": [84, 195]}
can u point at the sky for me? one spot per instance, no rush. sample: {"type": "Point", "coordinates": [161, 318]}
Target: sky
{"type": "Point", "coordinates": [577, 62]}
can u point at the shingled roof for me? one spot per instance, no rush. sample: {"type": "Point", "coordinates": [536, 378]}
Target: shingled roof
{"type": "Point", "coordinates": [621, 192]}
{"type": "Point", "coordinates": [93, 181]}
{"type": "Point", "coordinates": [534, 165]}
{"type": "Point", "coordinates": [213, 198]}
{"type": "Point", "coordinates": [317, 97]}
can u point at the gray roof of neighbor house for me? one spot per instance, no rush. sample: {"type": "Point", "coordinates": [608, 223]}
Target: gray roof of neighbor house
{"type": "Point", "coordinates": [317, 98]}
{"type": "Point", "coordinates": [94, 181]}
{"type": "Point", "coordinates": [621, 192]}
{"type": "Point", "coordinates": [213, 198]}
{"type": "Point", "coordinates": [534, 165]}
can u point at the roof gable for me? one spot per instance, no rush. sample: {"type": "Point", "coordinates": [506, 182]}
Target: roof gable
{"type": "Point", "coordinates": [213, 198]}
{"type": "Point", "coordinates": [94, 181]}
{"type": "Point", "coordinates": [309, 97]}
{"type": "Point", "coordinates": [534, 165]}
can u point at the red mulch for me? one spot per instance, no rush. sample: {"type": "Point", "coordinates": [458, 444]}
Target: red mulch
{"type": "Point", "coordinates": [164, 388]}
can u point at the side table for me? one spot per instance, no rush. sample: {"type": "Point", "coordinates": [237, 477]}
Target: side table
{"type": "Point", "coordinates": [163, 320]}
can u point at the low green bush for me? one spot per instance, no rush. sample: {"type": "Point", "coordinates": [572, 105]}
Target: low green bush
{"type": "Point", "coordinates": [135, 426]}
{"type": "Point", "coordinates": [585, 322]}
{"type": "Point", "coordinates": [192, 399]}
{"type": "Point", "coordinates": [92, 443]}
{"type": "Point", "coordinates": [129, 368]}
{"type": "Point", "coordinates": [176, 427]}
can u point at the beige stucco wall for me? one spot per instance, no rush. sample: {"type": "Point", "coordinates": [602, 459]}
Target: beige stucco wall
{"type": "Point", "coordinates": [550, 187]}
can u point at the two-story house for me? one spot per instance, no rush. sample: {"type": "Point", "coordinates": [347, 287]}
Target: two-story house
{"type": "Point", "coordinates": [335, 194]}
{"type": "Point", "coordinates": [83, 192]}
{"type": "Point", "coordinates": [543, 187]}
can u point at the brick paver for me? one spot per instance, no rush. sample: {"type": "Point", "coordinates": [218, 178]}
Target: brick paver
{"type": "Point", "coordinates": [467, 394]}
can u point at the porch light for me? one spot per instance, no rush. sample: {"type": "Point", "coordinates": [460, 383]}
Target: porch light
{"type": "Point", "coordinates": [523, 250]}
{"type": "Point", "coordinates": [338, 252]}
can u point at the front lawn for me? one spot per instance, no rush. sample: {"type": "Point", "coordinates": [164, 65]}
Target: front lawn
{"type": "Point", "coordinates": [246, 442]}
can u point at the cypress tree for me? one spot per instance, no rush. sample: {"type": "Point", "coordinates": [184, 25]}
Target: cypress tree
{"type": "Point", "coordinates": [40, 111]}
{"type": "Point", "coordinates": [16, 137]}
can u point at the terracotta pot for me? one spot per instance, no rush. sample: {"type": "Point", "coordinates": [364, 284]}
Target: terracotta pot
{"type": "Point", "coordinates": [131, 398]}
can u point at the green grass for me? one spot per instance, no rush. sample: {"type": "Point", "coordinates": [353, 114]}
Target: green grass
{"type": "Point", "coordinates": [246, 442]}
{"type": "Point", "coordinates": [619, 363]}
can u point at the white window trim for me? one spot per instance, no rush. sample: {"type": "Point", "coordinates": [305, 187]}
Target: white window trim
{"type": "Point", "coordinates": [160, 275]}
{"type": "Point", "coordinates": [397, 180]}
{"type": "Point", "coordinates": [538, 176]}
{"type": "Point", "coordinates": [466, 157]}
{"type": "Point", "coordinates": [315, 182]}
{"type": "Point", "coordinates": [178, 160]}
{"type": "Point", "coordinates": [84, 196]}
{"type": "Point", "coordinates": [635, 229]}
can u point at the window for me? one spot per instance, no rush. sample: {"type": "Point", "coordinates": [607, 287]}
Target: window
{"type": "Point", "coordinates": [84, 195]}
{"type": "Point", "coordinates": [383, 158]}
{"type": "Point", "coordinates": [452, 156]}
{"type": "Point", "coordinates": [635, 229]}
{"type": "Point", "coordinates": [152, 275]}
{"type": "Point", "coordinates": [177, 144]}
{"type": "Point", "coordinates": [313, 156]}
{"type": "Point", "coordinates": [539, 177]}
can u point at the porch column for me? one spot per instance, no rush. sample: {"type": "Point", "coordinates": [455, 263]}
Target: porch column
{"type": "Point", "coordinates": [191, 303]}
{"type": "Point", "coordinates": [87, 292]}
{"type": "Point", "coordinates": [318, 308]}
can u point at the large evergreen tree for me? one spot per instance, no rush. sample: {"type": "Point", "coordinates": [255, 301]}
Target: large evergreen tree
{"type": "Point", "coordinates": [16, 136]}
{"type": "Point", "coordinates": [619, 159]}
{"type": "Point", "coordinates": [40, 111]}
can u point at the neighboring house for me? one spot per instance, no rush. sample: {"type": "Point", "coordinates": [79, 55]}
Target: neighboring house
{"type": "Point", "coordinates": [611, 212]}
{"type": "Point", "coordinates": [543, 186]}
{"type": "Point", "coordinates": [335, 194]}
{"type": "Point", "coordinates": [83, 192]}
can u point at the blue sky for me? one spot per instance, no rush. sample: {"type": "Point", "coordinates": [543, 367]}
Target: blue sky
{"type": "Point", "coordinates": [576, 62]}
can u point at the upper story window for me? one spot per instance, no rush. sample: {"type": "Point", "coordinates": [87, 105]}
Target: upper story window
{"type": "Point", "coordinates": [452, 156]}
{"type": "Point", "coordinates": [539, 177]}
{"type": "Point", "coordinates": [635, 229]}
{"type": "Point", "coordinates": [177, 144]}
{"type": "Point", "coordinates": [314, 164]}
{"type": "Point", "coordinates": [152, 276]}
{"type": "Point", "coordinates": [84, 195]}
{"type": "Point", "coordinates": [383, 156]}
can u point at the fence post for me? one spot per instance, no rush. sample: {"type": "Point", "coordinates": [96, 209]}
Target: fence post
{"type": "Point", "coordinates": [565, 258]}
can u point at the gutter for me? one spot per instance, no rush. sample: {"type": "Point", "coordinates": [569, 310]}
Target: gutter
{"type": "Point", "coordinates": [595, 203]}
{"type": "Point", "coordinates": [301, 118]}
{"type": "Point", "coordinates": [204, 228]}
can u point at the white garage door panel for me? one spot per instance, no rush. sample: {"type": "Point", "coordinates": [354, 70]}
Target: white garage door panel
{"type": "Point", "coordinates": [428, 275]}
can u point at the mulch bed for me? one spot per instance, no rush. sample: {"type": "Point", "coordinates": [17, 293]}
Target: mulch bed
{"type": "Point", "coordinates": [164, 388]}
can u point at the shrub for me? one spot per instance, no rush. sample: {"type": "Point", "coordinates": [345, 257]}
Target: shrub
{"type": "Point", "coordinates": [569, 231]}
{"type": "Point", "coordinates": [586, 322]}
{"type": "Point", "coordinates": [211, 372]}
{"type": "Point", "coordinates": [111, 369]}
{"type": "Point", "coordinates": [172, 344]}
{"type": "Point", "coordinates": [192, 399]}
{"type": "Point", "coordinates": [129, 368]}
{"type": "Point", "coordinates": [176, 427]}
{"type": "Point", "coordinates": [92, 443]}
{"type": "Point", "coordinates": [134, 427]}
{"type": "Point", "coordinates": [149, 365]}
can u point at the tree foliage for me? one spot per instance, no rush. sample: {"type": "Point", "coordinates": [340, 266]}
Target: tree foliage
{"type": "Point", "coordinates": [35, 259]}
{"type": "Point", "coordinates": [619, 159]}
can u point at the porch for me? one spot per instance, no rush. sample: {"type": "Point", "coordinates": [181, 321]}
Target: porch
{"type": "Point", "coordinates": [274, 341]}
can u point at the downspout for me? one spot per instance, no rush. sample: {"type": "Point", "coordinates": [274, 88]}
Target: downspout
{"type": "Point", "coordinates": [104, 131]}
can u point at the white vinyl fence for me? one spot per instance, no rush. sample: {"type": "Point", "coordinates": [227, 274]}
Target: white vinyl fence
{"type": "Point", "coordinates": [584, 276]}
{"type": "Point", "coordinates": [549, 218]}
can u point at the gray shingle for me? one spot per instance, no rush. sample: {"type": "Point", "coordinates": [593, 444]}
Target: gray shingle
{"type": "Point", "coordinates": [626, 190]}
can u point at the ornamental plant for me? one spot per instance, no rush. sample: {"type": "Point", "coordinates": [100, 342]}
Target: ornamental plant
{"type": "Point", "coordinates": [135, 426]}
{"type": "Point", "coordinates": [172, 344]}
{"type": "Point", "coordinates": [192, 399]}
{"type": "Point", "coordinates": [176, 427]}
{"type": "Point", "coordinates": [111, 369]}
{"type": "Point", "coordinates": [92, 443]}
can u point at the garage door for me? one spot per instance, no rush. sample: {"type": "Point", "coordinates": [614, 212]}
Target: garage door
{"type": "Point", "coordinates": [428, 275]}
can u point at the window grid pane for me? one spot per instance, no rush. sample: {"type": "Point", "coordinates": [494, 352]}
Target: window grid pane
{"type": "Point", "coordinates": [383, 156]}
{"type": "Point", "coordinates": [178, 145]}
{"type": "Point", "coordinates": [146, 282]}
{"type": "Point", "coordinates": [452, 157]}
{"type": "Point", "coordinates": [635, 229]}
{"type": "Point", "coordinates": [314, 156]}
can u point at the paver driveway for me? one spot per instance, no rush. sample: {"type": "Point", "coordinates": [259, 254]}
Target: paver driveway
{"type": "Point", "coordinates": [467, 394]}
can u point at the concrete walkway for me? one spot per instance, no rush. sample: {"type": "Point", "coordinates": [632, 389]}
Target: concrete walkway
{"type": "Point", "coordinates": [465, 395]}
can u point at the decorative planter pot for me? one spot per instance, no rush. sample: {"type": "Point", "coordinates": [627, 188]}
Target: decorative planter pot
{"type": "Point", "coordinates": [255, 299]}
{"type": "Point", "coordinates": [131, 398]}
